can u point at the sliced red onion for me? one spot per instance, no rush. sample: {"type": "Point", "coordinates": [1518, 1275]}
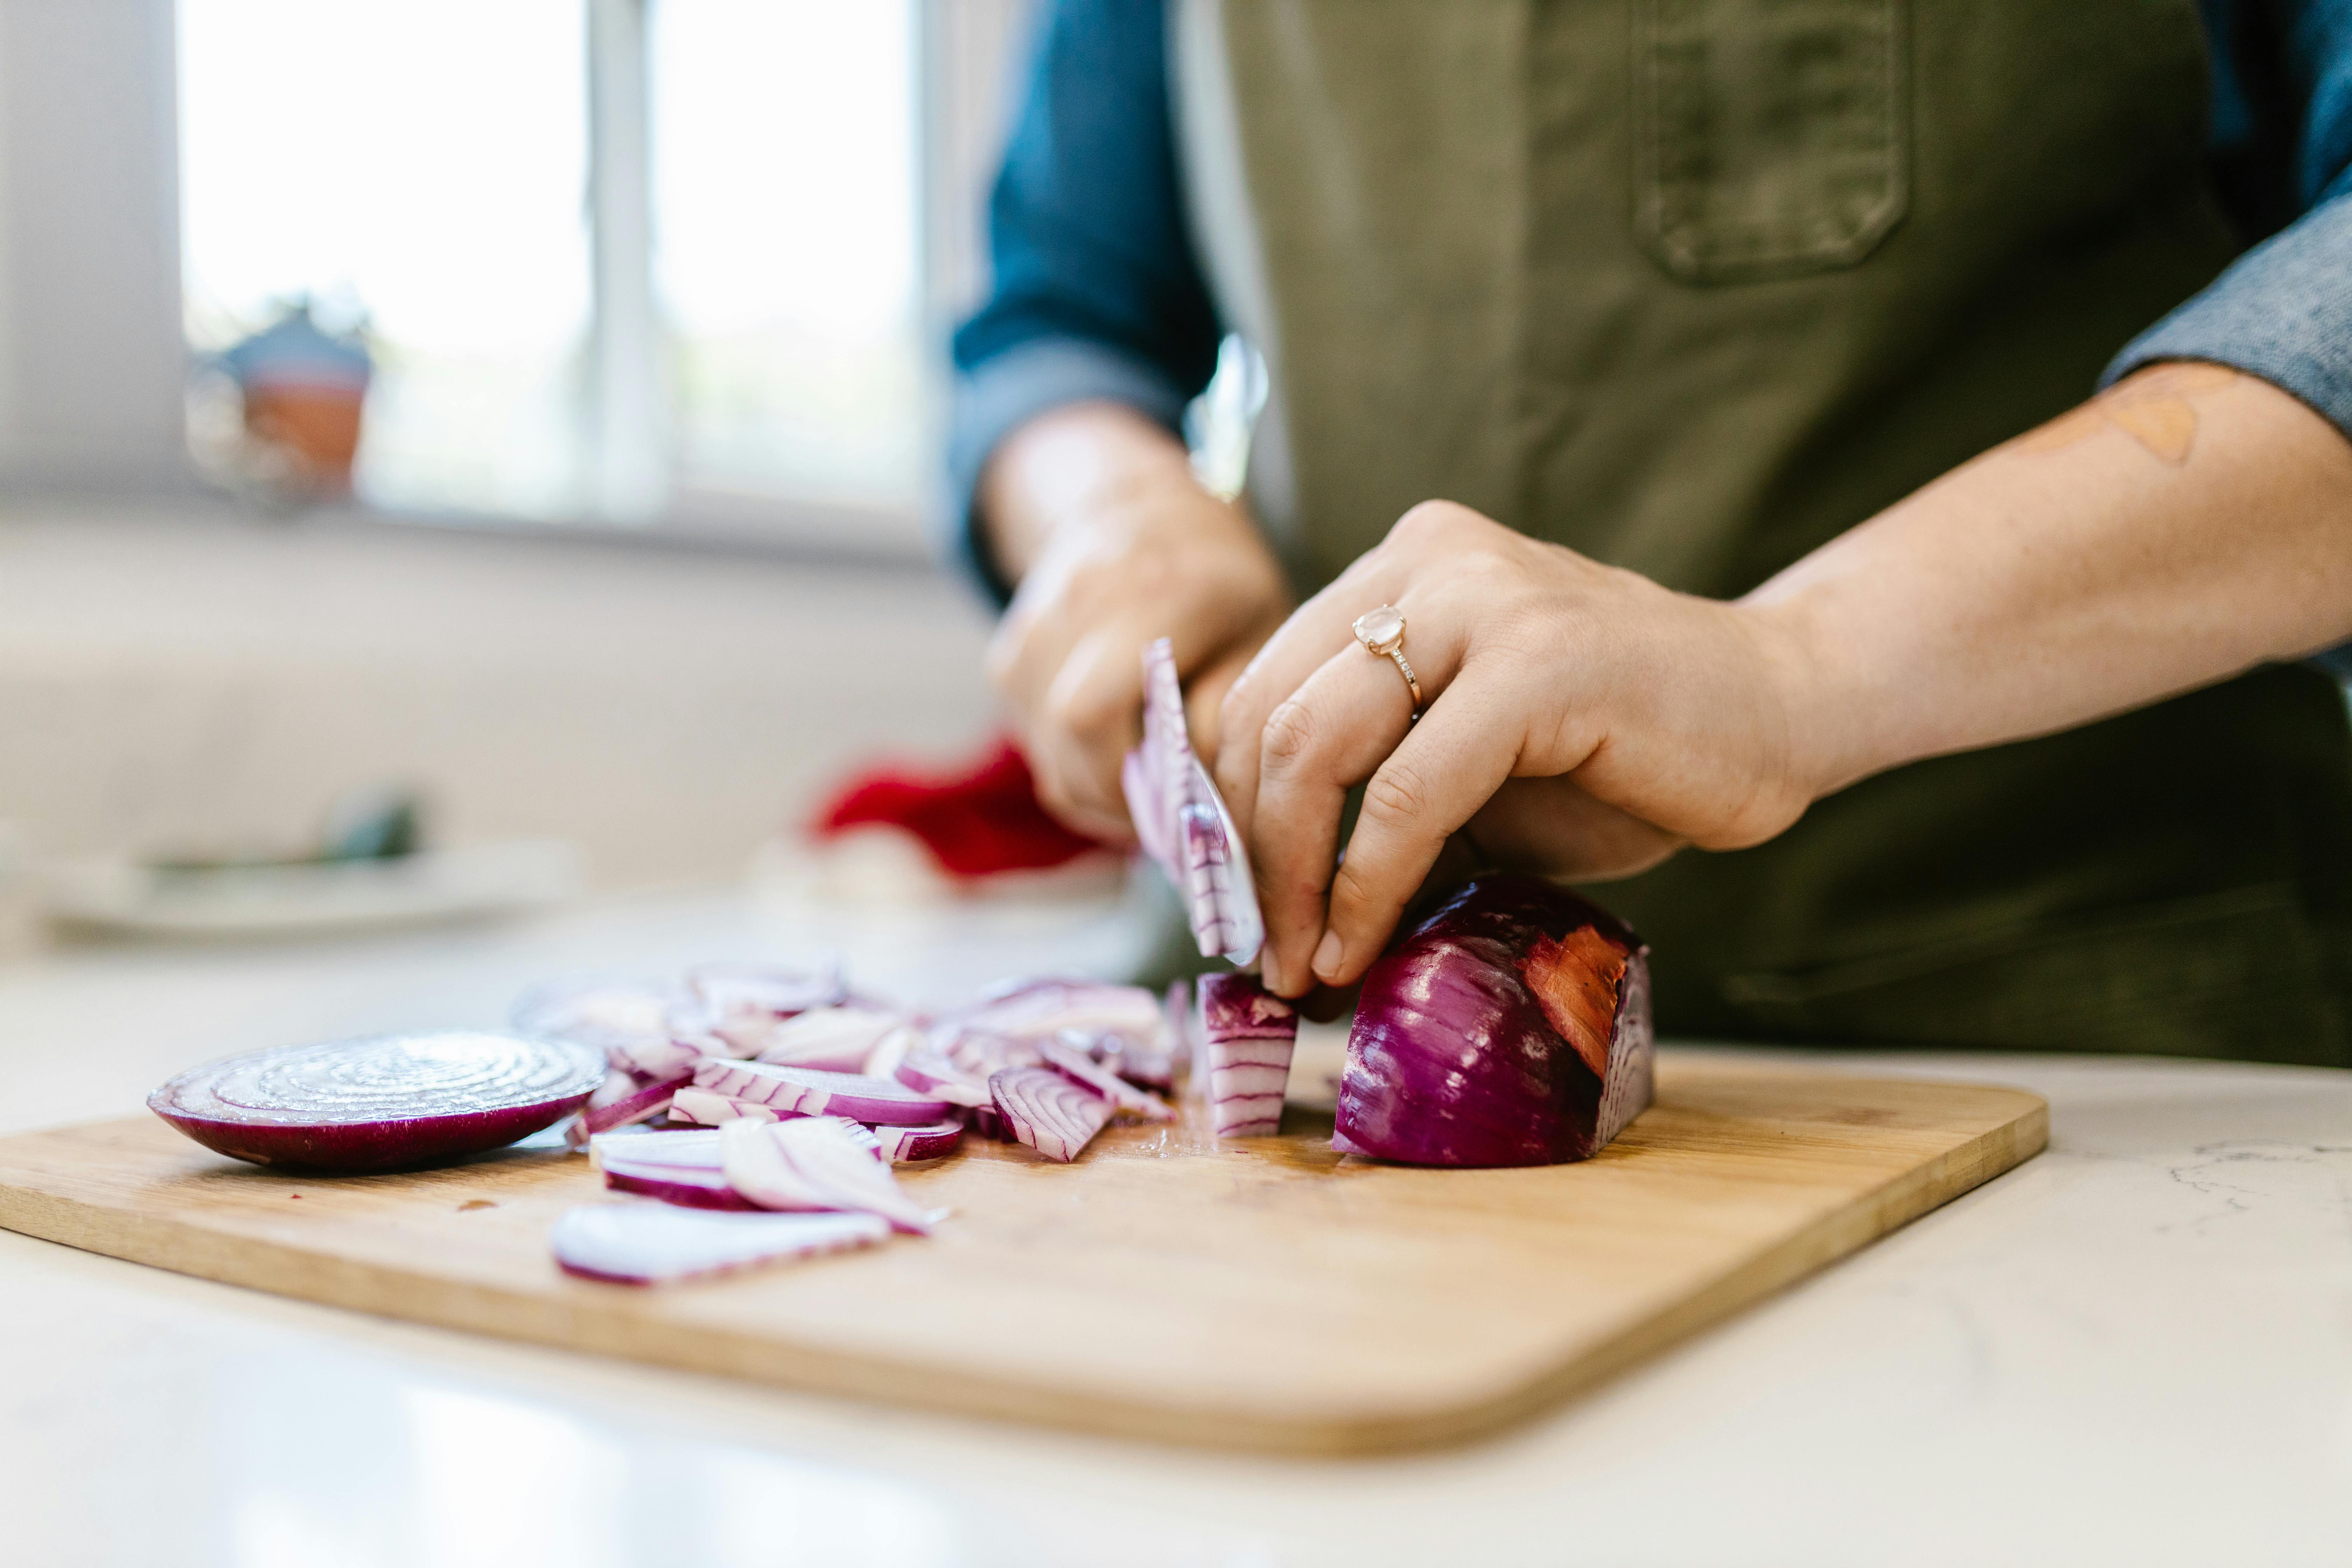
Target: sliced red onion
{"type": "Point", "coordinates": [689, 1186]}
{"type": "Point", "coordinates": [1047, 1112]}
{"type": "Point", "coordinates": [693, 1146]}
{"type": "Point", "coordinates": [379, 1103]}
{"type": "Point", "coordinates": [708, 1108]}
{"type": "Point", "coordinates": [987, 1121]}
{"type": "Point", "coordinates": [911, 1145]}
{"type": "Point", "coordinates": [1069, 1056]}
{"type": "Point", "coordinates": [650, 1244]}
{"type": "Point", "coordinates": [809, 1092]}
{"type": "Point", "coordinates": [834, 1039]}
{"type": "Point", "coordinates": [1040, 1009]}
{"type": "Point", "coordinates": [595, 1011]}
{"type": "Point", "coordinates": [635, 1102]}
{"type": "Point", "coordinates": [813, 1162]}
{"type": "Point", "coordinates": [1247, 1036]}
{"type": "Point", "coordinates": [1511, 1027]}
{"type": "Point", "coordinates": [1182, 824]}
{"type": "Point", "coordinates": [929, 1071]}
{"type": "Point", "coordinates": [733, 990]}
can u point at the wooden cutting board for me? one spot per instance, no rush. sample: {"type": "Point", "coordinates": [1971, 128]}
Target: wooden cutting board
{"type": "Point", "coordinates": [1266, 1294]}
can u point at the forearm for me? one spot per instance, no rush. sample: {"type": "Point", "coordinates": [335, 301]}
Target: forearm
{"type": "Point", "coordinates": [2187, 525]}
{"type": "Point", "coordinates": [1090, 465]}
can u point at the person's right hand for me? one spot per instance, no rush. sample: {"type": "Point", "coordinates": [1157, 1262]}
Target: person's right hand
{"type": "Point", "coordinates": [1094, 512]}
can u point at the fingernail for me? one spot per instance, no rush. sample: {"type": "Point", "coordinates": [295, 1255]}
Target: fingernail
{"type": "Point", "coordinates": [1327, 957]}
{"type": "Point", "coordinates": [1272, 977]}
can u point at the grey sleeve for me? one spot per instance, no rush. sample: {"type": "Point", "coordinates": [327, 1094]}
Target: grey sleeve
{"type": "Point", "coordinates": [2282, 311]}
{"type": "Point", "coordinates": [997, 397]}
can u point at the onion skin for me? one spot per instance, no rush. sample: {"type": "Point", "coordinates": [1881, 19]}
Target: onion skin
{"type": "Point", "coordinates": [1247, 1037]}
{"type": "Point", "coordinates": [1511, 1027]}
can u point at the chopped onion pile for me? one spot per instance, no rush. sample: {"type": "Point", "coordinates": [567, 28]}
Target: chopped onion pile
{"type": "Point", "coordinates": [1047, 1112]}
{"type": "Point", "coordinates": [1182, 824]}
{"type": "Point", "coordinates": [380, 1103]}
{"type": "Point", "coordinates": [1511, 1027]}
{"type": "Point", "coordinates": [1247, 1037]}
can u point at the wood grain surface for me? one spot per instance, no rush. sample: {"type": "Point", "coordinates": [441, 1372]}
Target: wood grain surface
{"type": "Point", "coordinates": [1264, 1294]}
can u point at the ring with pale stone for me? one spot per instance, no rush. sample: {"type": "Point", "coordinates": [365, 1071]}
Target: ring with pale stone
{"type": "Point", "coordinates": [1382, 631]}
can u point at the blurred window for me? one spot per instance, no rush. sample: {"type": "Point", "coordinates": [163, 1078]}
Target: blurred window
{"type": "Point", "coordinates": [630, 260]}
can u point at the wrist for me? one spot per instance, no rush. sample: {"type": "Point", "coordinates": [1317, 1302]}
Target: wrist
{"type": "Point", "coordinates": [1822, 707]}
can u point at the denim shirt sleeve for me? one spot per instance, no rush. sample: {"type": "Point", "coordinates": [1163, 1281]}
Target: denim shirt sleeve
{"type": "Point", "coordinates": [1097, 293]}
{"type": "Point", "coordinates": [2284, 310]}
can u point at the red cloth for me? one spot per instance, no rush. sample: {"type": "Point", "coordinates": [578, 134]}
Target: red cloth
{"type": "Point", "coordinates": [976, 822]}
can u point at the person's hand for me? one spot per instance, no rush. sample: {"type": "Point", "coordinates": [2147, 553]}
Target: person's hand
{"type": "Point", "coordinates": [1115, 543]}
{"type": "Point", "coordinates": [1582, 720]}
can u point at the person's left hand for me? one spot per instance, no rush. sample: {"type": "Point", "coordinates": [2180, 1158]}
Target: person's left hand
{"type": "Point", "coordinates": [1582, 722]}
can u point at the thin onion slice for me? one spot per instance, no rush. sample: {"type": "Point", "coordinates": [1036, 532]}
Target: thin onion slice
{"type": "Point", "coordinates": [708, 1108]}
{"type": "Point", "coordinates": [690, 1186]}
{"type": "Point", "coordinates": [379, 1103]}
{"type": "Point", "coordinates": [1182, 824]}
{"type": "Point", "coordinates": [1047, 1112]}
{"type": "Point", "coordinates": [912, 1145]}
{"type": "Point", "coordinates": [651, 1244]}
{"type": "Point", "coordinates": [1248, 1035]}
{"type": "Point", "coordinates": [809, 1092]}
{"type": "Point", "coordinates": [836, 1039]}
{"type": "Point", "coordinates": [627, 1103]}
{"type": "Point", "coordinates": [1069, 1058]}
{"type": "Point", "coordinates": [813, 1162]}
{"type": "Point", "coordinates": [733, 990]}
{"type": "Point", "coordinates": [697, 1147]}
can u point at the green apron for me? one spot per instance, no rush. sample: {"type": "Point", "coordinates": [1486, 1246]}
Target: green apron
{"type": "Point", "coordinates": [1692, 285]}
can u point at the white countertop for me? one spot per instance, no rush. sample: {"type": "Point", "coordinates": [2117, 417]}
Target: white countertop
{"type": "Point", "coordinates": [2136, 1349]}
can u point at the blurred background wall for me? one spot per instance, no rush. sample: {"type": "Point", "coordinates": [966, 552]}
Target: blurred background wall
{"type": "Point", "coordinates": [632, 547]}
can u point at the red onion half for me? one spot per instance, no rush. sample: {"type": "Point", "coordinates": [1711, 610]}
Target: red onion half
{"type": "Point", "coordinates": [1047, 1112]}
{"type": "Point", "coordinates": [379, 1103]}
{"type": "Point", "coordinates": [1248, 1035]}
{"type": "Point", "coordinates": [651, 1244]}
{"type": "Point", "coordinates": [1511, 1027]}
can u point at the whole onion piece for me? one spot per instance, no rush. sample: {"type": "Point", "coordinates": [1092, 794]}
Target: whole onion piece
{"type": "Point", "coordinates": [379, 1103]}
{"type": "Point", "coordinates": [1511, 1027]}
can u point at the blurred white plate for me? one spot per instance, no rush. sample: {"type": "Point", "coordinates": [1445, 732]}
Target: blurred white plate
{"type": "Point", "coordinates": [434, 885]}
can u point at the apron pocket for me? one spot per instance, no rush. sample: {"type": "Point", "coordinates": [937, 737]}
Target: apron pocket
{"type": "Point", "coordinates": [1770, 136]}
{"type": "Point", "coordinates": [2237, 975]}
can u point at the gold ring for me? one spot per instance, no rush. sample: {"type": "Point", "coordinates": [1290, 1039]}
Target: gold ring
{"type": "Point", "coordinates": [1382, 631]}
